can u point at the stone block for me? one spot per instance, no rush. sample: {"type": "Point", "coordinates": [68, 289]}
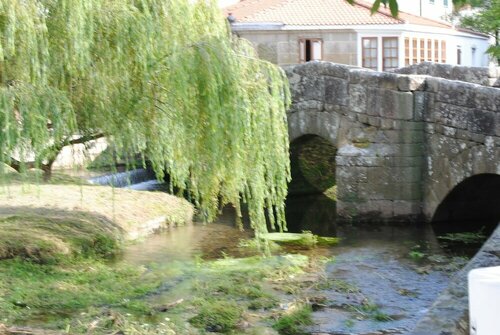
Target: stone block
{"type": "Point", "coordinates": [411, 83]}
{"type": "Point", "coordinates": [404, 105]}
{"type": "Point", "coordinates": [406, 136]}
{"type": "Point", "coordinates": [357, 98]}
{"type": "Point", "coordinates": [457, 93]}
{"type": "Point", "coordinates": [430, 128]}
{"type": "Point", "coordinates": [487, 98]}
{"type": "Point", "coordinates": [312, 88]}
{"type": "Point", "coordinates": [452, 115]}
{"type": "Point", "coordinates": [408, 125]}
{"type": "Point", "coordinates": [389, 104]}
{"type": "Point", "coordinates": [313, 69]}
{"type": "Point", "coordinates": [363, 118]}
{"type": "Point", "coordinates": [367, 161]}
{"type": "Point", "coordinates": [497, 124]}
{"type": "Point", "coordinates": [380, 80]}
{"type": "Point", "coordinates": [404, 207]}
{"type": "Point", "coordinates": [387, 124]}
{"type": "Point", "coordinates": [400, 161]}
{"type": "Point", "coordinates": [482, 122]}
{"type": "Point", "coordinates": [374, 121]}
{"type": "Point", "coordinates": [419, 105]}
{"type": "Point", "coordinates": [336, 91]}
{"type": "Point", "coordinates": [432, 84]}
{"type": "Point", "coordinates": [478, 138]}
{"type": "Point", "coordinates": [429, 107]}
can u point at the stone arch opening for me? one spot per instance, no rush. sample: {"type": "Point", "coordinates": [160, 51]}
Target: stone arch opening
{"type": "Point", "coordinates": [312, 192]}
{"type": "Point", "coordinates": [471, 207]}
{"type": "Point", "coordinates": [312, 160]}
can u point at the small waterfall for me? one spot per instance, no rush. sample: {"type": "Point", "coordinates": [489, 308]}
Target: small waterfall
{"type": "Point", "coordinates": [149, 185]}
{"type": "Point", "coordinates": [130, 179]}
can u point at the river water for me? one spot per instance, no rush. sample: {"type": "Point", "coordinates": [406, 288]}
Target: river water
{"type": "Point", "coordinates": [383, 279]}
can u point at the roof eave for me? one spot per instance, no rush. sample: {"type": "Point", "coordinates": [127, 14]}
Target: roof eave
{"type": "Point", "coordinates": [242, 26]}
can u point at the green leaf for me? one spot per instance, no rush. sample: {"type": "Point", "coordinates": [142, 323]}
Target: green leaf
{"type": "Point", "coordinates": [376, 6]}
{"type": "Point", "coordinates": [393, 5]}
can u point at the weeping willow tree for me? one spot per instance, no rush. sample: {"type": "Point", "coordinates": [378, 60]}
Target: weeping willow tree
{"type": "Point", "coordinates": [164, 78]}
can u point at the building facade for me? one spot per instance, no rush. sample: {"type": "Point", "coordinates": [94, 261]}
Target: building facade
{"type": "Point", "coordinates": [297, 31]}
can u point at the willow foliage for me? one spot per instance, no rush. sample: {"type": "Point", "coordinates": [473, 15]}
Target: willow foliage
{"type": "Point", "coordinates": [161, 77]}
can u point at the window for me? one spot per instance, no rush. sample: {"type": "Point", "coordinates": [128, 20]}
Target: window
{"type": "Point", "coordinates": [473, 55]}
{"type": "Point", "coordinates": [459, 54]}
{"type": "Point", "coordinates": [415, 51]}
{"type": "Point", "coordinates": [443, 51]}
{"type": "Point", "coordinates": [369, 53]}
{"type": "Point", "coordinates": [431, 2]}
{"type": "Point", "coordinates": [445, 3]}
{"type": "Point", "coordinates": [422, 50]}
{"type": "Point", "coordinates": [429, 50]}
{"type": "Point", "coordinates": [310, 49]}
{"type": "Point", "coordinates": [407, 51]}
{"type": "Point", "coordinates": [436, 51]}
{"type": "Point", "coordinates": [390, 53]}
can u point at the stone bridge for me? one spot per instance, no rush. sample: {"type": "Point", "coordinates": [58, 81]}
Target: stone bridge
{"type": "Point", "coordinates": [405, 142]}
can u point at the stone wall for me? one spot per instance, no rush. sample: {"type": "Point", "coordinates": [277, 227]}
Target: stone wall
{"type": "Point", "coordinates": [371, 118]}
{"type": "Point", "coordinates": [462, 134]}
{"type": "Point", "coordinates": [404, 141]}
{"type": "Point", "coordinates": [476, 75]}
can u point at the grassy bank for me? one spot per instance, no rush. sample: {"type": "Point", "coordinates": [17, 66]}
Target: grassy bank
{"type": "Point", "coordinates": [230, 296]}
{"type": "Point", "coordinates": [71, 218]}
{"type": "Point", "coordinates": [56, 273]}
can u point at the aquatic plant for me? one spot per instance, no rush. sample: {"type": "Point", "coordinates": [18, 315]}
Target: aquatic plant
{"type": "Point", "coordinates": [163, 78]}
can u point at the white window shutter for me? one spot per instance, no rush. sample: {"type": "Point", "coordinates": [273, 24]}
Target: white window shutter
{"type": "Point", "coordinates": [317, 50]}
{"type": "Point", "coordinates": [302, 51]}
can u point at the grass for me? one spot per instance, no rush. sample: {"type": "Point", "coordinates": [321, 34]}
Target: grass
{"type": "Point", "coordinates": [35, 176]}
{"type": "Point", "coordinates": [55, 242]}
{"type": "Point", "coordinates": [294, 322]}
{"type": "Point", "coordinates": [218, 316]}
{"type": "Point", "coordinates": [50, 239]}
{"type": "Point", "coordinates": [62, 200]}
{"type": "Point", "coordinates": [94, 296]}
{"type": "Point", "coordinates": [34, 291]}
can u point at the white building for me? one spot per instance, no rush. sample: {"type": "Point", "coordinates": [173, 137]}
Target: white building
{"type": "Point", "coordinates": [294, 31]}
{"type": "Point", "coordinates": [431, 9]}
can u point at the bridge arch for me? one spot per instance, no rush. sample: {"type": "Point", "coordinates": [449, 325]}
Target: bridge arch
{"type": "Point", "coordinates": [472, 205]}
{"type": "Point", "coordinates": [315, 122]}
{"type": "Point", "coordinates": [313, 165]}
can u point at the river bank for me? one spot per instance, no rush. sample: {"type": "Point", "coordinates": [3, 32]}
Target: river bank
{"type": "Point", "coordinates": [210, 279]}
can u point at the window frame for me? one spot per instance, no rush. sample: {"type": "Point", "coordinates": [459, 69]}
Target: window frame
{"type": "Point", "coordinates": [303, 49]}
{"type": "Point", "coordinates": [363, 59]}
{"type": "Point", "coordinates": [407, 51]}
{"type": "Point", "coordinates": [443, 51]}
{"type": "Point", "coordinates": [414, 51]}
{"type": "Point", "coordinates": [396, 38]}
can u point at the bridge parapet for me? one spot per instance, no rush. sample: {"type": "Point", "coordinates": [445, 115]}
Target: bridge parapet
{"type": "Point", "coordinates": [398, 136]}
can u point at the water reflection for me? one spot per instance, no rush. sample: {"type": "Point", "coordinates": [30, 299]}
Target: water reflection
{"type": "Point", "coordinates": [315, 213]}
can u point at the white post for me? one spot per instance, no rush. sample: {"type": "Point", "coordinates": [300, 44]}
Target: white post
{"type": "Point", "coordinates": [484, 301]}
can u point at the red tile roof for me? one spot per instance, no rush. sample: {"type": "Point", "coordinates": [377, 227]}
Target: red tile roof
{"type": "Point", "coordinates": [320, 13]}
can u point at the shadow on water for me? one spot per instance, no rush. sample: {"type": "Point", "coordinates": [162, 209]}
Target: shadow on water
{"type": "Point", "coordinates": [315, 213]}
{"type": "Point", "coordinates": [468, 214]}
